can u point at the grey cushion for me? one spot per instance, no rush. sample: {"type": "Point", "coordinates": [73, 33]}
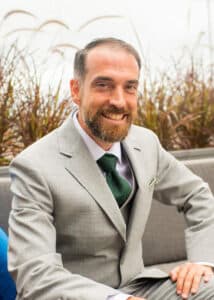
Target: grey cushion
{"type": "Point", "coordinates": [203, 168]}
{"type": "Point", "coordinates": [5, 202]}
{"type": "Point", "coordinates": [163, 240]}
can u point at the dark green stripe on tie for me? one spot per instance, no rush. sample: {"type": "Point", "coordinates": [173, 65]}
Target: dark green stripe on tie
{"type": "Point", "coordinates": [119, 186]}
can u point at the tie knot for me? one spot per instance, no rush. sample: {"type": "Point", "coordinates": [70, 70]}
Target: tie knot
{"type": "Point", "coordinates": [107, 162]}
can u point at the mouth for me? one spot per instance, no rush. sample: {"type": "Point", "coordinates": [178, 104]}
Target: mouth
{"type": "Point", "coordinates": [114, 117]}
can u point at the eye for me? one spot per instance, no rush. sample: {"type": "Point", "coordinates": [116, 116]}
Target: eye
{"type": "Point", "coordinates": [131, 88]}
{"type": "Point", "coordinates": [103, 85]}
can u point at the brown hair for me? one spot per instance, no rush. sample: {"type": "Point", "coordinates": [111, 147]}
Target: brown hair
{"type": "Point", "coordinates": [80, 56]}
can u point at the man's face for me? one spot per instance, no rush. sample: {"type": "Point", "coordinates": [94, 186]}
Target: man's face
{"type": "Point", "coordinates": [107, 97]}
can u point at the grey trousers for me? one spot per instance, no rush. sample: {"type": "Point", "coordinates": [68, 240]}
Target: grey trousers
{"type": "Point", "coordinates": [165, 289]}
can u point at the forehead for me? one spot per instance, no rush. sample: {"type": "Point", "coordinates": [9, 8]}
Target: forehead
{"type": "Point", "coordinates": [113, 60]}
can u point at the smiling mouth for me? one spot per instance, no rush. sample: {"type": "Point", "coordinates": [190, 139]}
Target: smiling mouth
{"type": "Point", "coordinates": [114, 117]}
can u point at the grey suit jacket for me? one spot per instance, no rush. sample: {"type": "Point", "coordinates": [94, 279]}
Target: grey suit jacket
{"type": "Point", "coordinates": [67, 236]}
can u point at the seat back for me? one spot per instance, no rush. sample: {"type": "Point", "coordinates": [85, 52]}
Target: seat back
{"type": "Point", "coordinates": [5, 198]}
{"type": "Point", "coordinates": [163, 240]}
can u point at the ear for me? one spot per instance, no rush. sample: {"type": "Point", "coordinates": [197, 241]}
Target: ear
{"type": "Point", "coordinates": [75, 90]}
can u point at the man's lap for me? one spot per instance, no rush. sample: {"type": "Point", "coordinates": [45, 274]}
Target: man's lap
{"type": "Point", "coordinates": [165, 289]}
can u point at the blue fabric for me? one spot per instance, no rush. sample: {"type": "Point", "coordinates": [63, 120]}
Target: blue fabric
{"type": "Point", "coordinates": [7, 286]}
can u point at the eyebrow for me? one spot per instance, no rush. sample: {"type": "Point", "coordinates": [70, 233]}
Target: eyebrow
{"type": "Point", "coordinates": [105, 78]}
{"type": "Point", "coordinates": [135, 81]}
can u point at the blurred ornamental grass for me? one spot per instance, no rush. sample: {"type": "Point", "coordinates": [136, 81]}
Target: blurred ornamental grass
{"type": "Point", "coordinates": [26, 112]}
{"type": "Point", "coordinates": [6, 107]}
{"type": "Point", "coordinates": [179, 108]}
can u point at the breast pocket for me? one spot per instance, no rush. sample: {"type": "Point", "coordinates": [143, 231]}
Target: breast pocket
{"type": "Point", "coordinates": [152, 182]}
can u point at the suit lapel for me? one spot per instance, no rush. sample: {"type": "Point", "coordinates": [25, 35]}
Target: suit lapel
{"type": "Point", "coordinates": [142, 201]}
{"type": "Point", "coordinates": [79, 163]}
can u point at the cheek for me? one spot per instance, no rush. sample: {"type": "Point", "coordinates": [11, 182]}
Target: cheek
{"type": "Point", "coordinates": [97, 101]}
{"type": "Point", "coordinates": [132, 104]}
{"type": "Point", "coordinates": [91, 106]}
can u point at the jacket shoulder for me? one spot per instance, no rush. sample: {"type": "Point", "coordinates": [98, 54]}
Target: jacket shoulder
{"type": "Point", "coordinates": [143, 133]}
{"type": "Point", "coordinates": [39, 149]}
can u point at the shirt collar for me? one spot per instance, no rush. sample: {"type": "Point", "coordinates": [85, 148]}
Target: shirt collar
{"type": "Point", "coordinates": [95, 150]}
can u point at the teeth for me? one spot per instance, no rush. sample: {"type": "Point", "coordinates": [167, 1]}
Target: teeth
{"type": "Point", "coordinates": [114, 116]}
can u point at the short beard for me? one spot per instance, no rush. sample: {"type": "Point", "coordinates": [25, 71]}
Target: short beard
{"type": "Point", "coordinates": [109, 134]}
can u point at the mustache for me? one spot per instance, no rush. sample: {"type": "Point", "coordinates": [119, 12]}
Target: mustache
{"type": "Point", "coordinates": [114, 110]}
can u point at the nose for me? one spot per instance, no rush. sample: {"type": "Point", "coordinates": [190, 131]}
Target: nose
{"type": "Point", "coordinates": [118, 98]}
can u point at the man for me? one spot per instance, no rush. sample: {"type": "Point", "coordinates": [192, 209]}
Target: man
{"type": "Point", "coordinates": [82, 196]}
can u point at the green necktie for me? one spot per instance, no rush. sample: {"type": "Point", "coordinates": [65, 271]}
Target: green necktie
{"type": "Point", "coordinates": [118, 185]}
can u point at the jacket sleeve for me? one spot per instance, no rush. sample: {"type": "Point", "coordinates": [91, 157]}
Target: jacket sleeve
{"type": "Point", "coordinates": [33, 262]}
{"type": "Point", "coordinates": [178, 186]}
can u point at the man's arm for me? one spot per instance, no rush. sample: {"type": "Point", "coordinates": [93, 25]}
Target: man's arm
{"type": "Point", "coordinates": [179, 186]}
{"type": "Point", "coordinates": [33, 262]}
